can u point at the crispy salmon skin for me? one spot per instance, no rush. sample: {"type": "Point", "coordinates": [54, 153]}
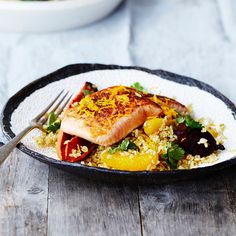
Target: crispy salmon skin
{"type": "Point", "coordinates": [109, 115]}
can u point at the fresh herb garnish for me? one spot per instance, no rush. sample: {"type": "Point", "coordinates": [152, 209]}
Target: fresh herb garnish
{"type": "Point", "coordinates": [180, 119]}
{"type": "Point", "coordinates": [123, 146]}
{"type": "Point", "coordinates": [138, 86]}
{"type": "Point", "coordinates": [189, 122]}
{"type": "Point", "coordinates": [53, 123]}
{"type": "Point", "coordinates": [173, 155]}
{"type": "Point", "coordinates": [51, 118]}
{"type": "Point", "coordinates": [87, 92]}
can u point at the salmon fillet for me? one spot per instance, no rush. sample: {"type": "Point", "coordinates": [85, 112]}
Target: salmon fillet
{"type": "Point", "coordinates": [168, 103]}
{"type": "Point", "coordinates": [109, 115]}
{"type": "Point", "coordinates": [65, 142]}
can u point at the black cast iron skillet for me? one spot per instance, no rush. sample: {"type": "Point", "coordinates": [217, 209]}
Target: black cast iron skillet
{"type": "Point", "coordinates": [102, 174]}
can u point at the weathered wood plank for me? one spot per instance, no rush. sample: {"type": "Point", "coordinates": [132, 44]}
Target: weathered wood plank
{"type": "Point", "coordinates": [230, 185]}
{"type": "Point", "coordinates": [201, 207]}
{"type": "Point", "coordinates": [81, 207]}
{"type": "Point", "coordinates": [23, 181]}
{"type": "Point", "coordinates": [199, 47]}
{"type": "Point", "coordinates": [23, 196]}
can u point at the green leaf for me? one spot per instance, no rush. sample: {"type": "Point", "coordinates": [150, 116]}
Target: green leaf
{"type": "Point", "coordinates": [51, 118]}
{"type": "Point", "coordinates": [173, 155]}
{"type": "Point", "coordinates": [165, 156]}
{"type": "Point", "coordinates": [112, 150]}
{"type": "Point", "coordinates": [53, 123]}
{"type": "Point", "coordinates": [189, 122]}
{"type": "Point", "coordinates": [172, 163]}
{"type": "Point", "coordinates": [138, 86]}
{"type": "Point", "coordinates": [192, 123]}
{"type": "Point", "coordinates": [54, 127]}
{"type": "Point", "coordinates": [132, 146]}
{"type": "Point", "coordinates": [87, 92]}
{"type": "Point", "coordinates": [123, 146]}
{"type": "Point", "coordinates": [180, 119]}
{"type": "Point", "coordinates": [175, 152]}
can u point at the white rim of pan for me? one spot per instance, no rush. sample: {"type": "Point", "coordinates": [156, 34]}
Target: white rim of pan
{"type": "Point", "coordinates": [46, 5]}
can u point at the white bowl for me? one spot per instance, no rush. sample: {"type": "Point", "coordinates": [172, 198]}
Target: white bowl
{"type": "Point", "coordinates": [20, 16]}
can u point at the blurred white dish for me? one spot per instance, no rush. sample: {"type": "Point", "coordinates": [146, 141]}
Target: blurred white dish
{"type": "Point", "coordinates": [46, 16]}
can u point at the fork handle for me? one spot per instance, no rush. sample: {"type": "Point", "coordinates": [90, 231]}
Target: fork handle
{"type": "Point", "coordinates": [6, 149]}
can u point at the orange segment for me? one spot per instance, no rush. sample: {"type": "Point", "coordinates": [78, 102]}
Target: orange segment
{"type": "Point", "coordinates": [121, 160]}
{"type": "Point", "coordinates": [151, 126]}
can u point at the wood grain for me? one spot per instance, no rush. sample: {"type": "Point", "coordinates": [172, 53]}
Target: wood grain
{"type": "Point", "coordinates": [23, 196]}
{"type": "Point", "coordinates": [202, 207]}
{"type": "Point", "coordinates": [68, 205]}
{"type": "Point", "coordinates": [23, 183]}
{"type": "Point", "coordinates": [80, 207]}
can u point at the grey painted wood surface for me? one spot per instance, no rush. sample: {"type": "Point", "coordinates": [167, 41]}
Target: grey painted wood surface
{"type": "Point", "coordinates": [23, 196]}
{"type": "Point", "coordinates": [38, 200]}
{"type": "Point", "coordinates": [80, 207]}
{"type": "Point", "coordinates": [199, 207]}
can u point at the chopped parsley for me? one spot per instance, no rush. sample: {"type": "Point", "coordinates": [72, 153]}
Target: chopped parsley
{"type": "Point", "coordinates": [137, 86]}
{"type": "Point", "coordinates": [87, 92]}
{"type": "Point", "coordinates": [123, 146]}
{"type": "Point", "coordinates": [173, 154]}
{"type": "Point", "coordinates": [189, 122]}
{"type": "Point", "coordinates": [53, 123]}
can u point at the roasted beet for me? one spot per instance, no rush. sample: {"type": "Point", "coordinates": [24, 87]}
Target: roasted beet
{"type": "Point", "coordinates": [189, 138]}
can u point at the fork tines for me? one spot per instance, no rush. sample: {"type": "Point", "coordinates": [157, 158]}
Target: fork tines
{"type": "Point", "coordinates": [57, 106]}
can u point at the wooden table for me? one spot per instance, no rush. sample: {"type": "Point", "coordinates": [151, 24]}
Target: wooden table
{"type": "Point", "coordinates": [187, 37]}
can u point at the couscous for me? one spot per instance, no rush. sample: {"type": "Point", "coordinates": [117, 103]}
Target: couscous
{"type": "Point", "coordinates": [126, 128]}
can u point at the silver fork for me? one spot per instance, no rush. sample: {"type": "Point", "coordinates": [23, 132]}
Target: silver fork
{"type": "Point", "coordinates": [57, 106]}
